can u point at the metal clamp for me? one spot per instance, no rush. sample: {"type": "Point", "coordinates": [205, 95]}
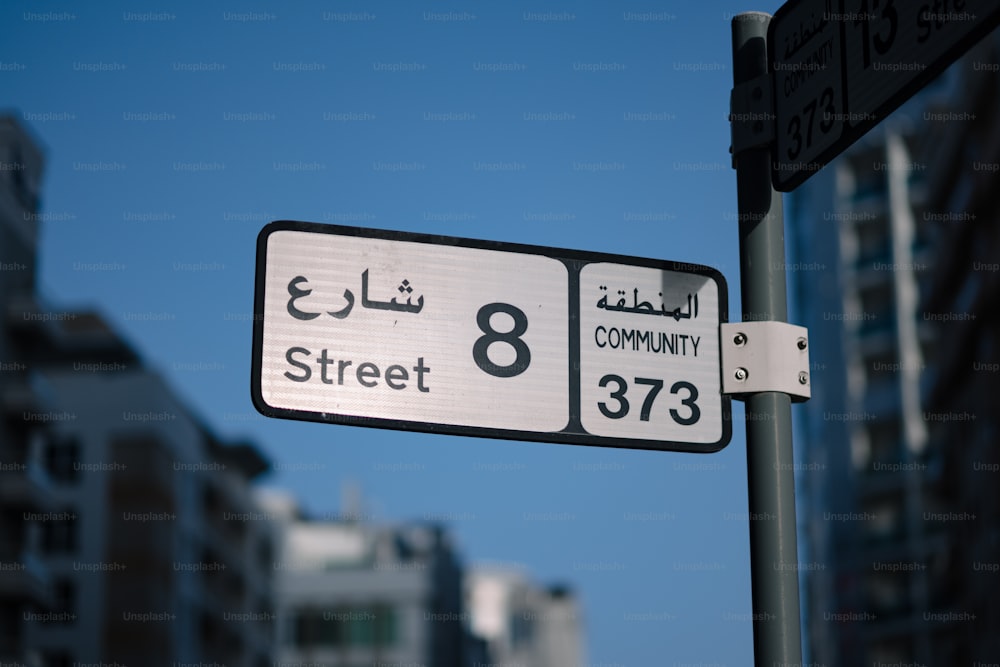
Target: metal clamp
{"type": "Point", "coordinates": [765, 356]}
{"type": "Point", "coordinates": [751, 115]}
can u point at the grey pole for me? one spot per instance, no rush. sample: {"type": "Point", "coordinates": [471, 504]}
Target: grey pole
{"type": "Point", "coordinates": [771, 485]}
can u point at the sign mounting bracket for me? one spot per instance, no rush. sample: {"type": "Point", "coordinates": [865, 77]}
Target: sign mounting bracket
{"type": "Point", "coordinates": [765, 356]}
{"type": "Point", "coordinates": [751, 115]}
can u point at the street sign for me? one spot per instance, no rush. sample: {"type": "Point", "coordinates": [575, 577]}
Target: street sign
{"type": "Point", "coordinates": [804, 49]}
{"type": "Point", "coordinates": [841, 66]}
{"type": "Point", "coordinates": [449, 335]}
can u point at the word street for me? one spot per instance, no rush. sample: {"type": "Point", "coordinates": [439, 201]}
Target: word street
{"type": "Point", "coordinates": [367, 373]}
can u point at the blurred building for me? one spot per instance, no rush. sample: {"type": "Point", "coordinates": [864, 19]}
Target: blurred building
{"type": "Point", "coordinates": [26, 584]}
{"type": "Point", "coordinates": [894, 254]}
{"type": "Point", "coordinates": [353, 593]}
{"type": "Point", "coordinates": [130, 534]}
{"type": "Point", "coordinates": [524, 624]}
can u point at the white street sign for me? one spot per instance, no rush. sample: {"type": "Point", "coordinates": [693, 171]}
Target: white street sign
{"type": "Point", "coordinates": [666, 359]}
{"type": "Point", "coordinates": [841, 66]}
{"type": "Point", "coordinates": [399, 330]}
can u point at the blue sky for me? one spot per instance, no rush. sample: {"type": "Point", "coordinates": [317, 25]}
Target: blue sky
{"type": "Point", "coordinates": [174, 132]}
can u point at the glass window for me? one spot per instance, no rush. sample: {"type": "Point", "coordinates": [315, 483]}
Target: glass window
{"type": "Point", "coordinates": [329, 627]}
{"type": "Point", "coordinates": [65, 599]}
{"type": "Point", "coordinates": [885, 437]}
{"type": "Point", "coordinates": [62, 457]}
{"type": "Point", "coordinates": [59, 534]}
{"type": "Point", "coordinates": [364, 626]}
{"type": "Point", "coordinates": [59, 659]}
{"type": "Point", "coordinates": [522, 629]}
{"type": "Point", "coordinates": [386, 630]}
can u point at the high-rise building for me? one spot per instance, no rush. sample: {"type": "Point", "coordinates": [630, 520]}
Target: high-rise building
{"type": "Point", "coordinates": [894, 252]}
{"type": "Point", "coordinates": [156, 547]}
{"type": "Point", "coordinates": [26, 585]}
{"type": "Point", "coordinates": [129, 531]}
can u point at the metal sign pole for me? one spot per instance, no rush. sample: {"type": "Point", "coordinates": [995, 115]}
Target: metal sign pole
{"type": "Point", "coordinates": [773, 553]}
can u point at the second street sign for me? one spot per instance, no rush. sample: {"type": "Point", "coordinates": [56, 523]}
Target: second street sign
{"type": "Point", "coordinates": [841, 66]}
{"type": "Point", "coordinates": [440, 334]}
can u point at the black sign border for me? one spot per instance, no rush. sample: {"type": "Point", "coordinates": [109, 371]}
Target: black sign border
{"type": "Point", "coordinates": [564, 255]}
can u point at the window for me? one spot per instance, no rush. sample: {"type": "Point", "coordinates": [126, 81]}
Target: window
{"type": "Point", "coordinates": [65, 600]}
{"type": "Point", "coordinates": [886, 590]}
{"type": "Point", "coordinates": [522, 628]}
{"type": "Point", "coordinates": [882, 368]}
{"type": "Point", "coordinates": [883, 517]}
{"type": "Point", "coordinates": [313, 627]}
{"type": "Point", "coordinates": [885, 438]}
{"type": "Point", "coordinates": [265, 553]}
{"type": "Point", "coordinates": [368, 626]}
{"type": "Point", "coordinates": [59, 659]}
{"type": "Point", "coordinates": [373, 626]}
{"type": "Point", "coordinates": [62, 458]}
{"type": "Point", "coordinates": [59, 533]}
{"type": "Point", "coordinates": [874, 243]}
{"type": "Point", "coordinates": [879, 307]}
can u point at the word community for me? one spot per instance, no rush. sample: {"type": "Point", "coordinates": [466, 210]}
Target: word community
{"type": "Point", "coordinates": [648, 341]}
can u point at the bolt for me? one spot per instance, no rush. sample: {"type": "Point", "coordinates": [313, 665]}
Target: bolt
{"type": "Point", "coordinates": [740, 339]}
{"type": "Point", "coordinates": [802, 343]}
{"type": "Point", "coordinates": [803, 378]}
{"type": "Point", "coordinates": [741, 374]}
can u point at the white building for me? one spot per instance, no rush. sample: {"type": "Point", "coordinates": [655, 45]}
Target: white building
{"type": "Point", "coordinates": [350, 594]}
{"type": "Point", "coordinates": [523, 624]}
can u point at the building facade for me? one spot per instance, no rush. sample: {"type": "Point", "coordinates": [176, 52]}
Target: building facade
{"type": "Point", "coordinates": [894, 248]}
{"type": "Point", "coordinates": [352, 593]}
{"type": "Point", "coordinates": [157, 551]}
{"type": "Point", "coordinates": [522, 623]}
{"type": "Point", "coordinates": [26, 585]}
{"type": "Point", "coordinates": [129, 530]}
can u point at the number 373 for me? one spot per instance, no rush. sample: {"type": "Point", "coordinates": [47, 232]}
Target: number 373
{"type": "Point", "coordinates": [802, 137]}
{"type": "Point", "coordinates": [620, 406]}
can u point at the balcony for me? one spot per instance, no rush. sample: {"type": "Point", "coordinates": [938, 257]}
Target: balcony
{"type": "Point", "coordinates": [23, 576]}
{"type": "Point", "coordinates": [146, 480]}
{"type": "Point", "coordinates": [24, 482]}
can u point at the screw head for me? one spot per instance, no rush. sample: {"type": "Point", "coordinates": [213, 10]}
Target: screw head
{"type": "Point", "coordinates": [741, 374]}
{"type": "Point", "coordinates": [803, 378]}
{"type": "Point", "coordinates": [740, 339]}
{"type": "Point", "coordinates": [802, 343]}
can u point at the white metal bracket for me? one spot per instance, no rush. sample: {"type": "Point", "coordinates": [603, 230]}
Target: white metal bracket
{"type": "Point", "coordinates": [765, 356]}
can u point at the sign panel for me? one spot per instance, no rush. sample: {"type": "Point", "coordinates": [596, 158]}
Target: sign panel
{"type": "Point", "coordinates": [441, 334]}
{"type": "Point", "coordinates": [841, 66]}
{"type": "Point", "coordinates": [805, 55]}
